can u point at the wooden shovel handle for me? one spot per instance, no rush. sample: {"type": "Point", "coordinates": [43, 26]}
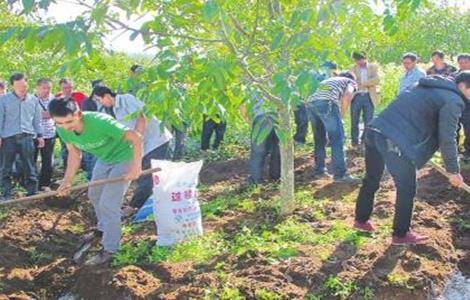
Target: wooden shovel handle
{"type": "Point", "coordinates": [75, 188]}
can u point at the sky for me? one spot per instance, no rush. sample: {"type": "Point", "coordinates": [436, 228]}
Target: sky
{"type": "Point", "coordinates": [66, 10]}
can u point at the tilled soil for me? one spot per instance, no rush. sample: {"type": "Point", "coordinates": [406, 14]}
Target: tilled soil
{"type": "Point", "coordinates": [38, 241]}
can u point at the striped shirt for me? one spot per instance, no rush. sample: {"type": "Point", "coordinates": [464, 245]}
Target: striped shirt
{"type": "Point", "coordinates": [333, 89]}
{"type": "Point", "coordinates": [48, 125]}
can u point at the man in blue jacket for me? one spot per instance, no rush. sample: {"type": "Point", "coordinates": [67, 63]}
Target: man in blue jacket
{"type": "Point", "coordinates": [403, 138]}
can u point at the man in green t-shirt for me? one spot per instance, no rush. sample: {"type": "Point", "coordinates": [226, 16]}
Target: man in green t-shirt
{"type": "Point", "coordinates": [118, 150]}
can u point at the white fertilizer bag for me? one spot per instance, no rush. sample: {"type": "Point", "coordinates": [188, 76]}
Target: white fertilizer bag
{"type": "Point", "coordinates": [176, 209]}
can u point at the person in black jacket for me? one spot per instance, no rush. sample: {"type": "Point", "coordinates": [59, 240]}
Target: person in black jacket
{"type": "Point", "coordinates": [403, 138]}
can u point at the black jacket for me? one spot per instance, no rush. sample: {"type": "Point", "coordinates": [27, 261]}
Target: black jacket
{"type": "Point", "coordinates": [89, 105]}
{"type": "Point", "coordinates": [424, 119]}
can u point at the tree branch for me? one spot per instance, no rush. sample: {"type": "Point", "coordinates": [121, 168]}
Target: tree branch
{"type": "Point", "coordinates": [112, 21]}
{"type": "Point", "coordinates": [255, 81]}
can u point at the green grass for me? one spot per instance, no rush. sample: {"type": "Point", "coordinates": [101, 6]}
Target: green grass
{"type": "Point", "coordinates": [263, 294]}
{"type": "Point", "coordinates": [336, 287]}
{"type": "Point", "coordinates": [37, 257]}
{"type": "Point", "coordinates": [3, 214]}
{"type": "Point", "coordinates": [283, 241]}
{"type": "Point", "coordinates": [77, 229]}
{"type": "Point", "coordinates": [216, 207]}
{"type": "Point", "coordinates": [400, 279]}
{"type": "Point", "coordinates": [131, 253]}
{"type": "Point", "coordinates": [462, 224]}
{"type": "Point", "coordinates": [197, 250]}
{"type": "Point", "coordinates": [129, 229]}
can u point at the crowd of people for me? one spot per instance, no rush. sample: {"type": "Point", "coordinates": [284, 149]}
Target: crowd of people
{"type": "Point", "coordinates": [108, 134]}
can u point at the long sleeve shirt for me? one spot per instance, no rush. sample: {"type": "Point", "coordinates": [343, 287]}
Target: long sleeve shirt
{"type": "Point", "coordinates": [48, 125]}
{"type": "Point", "coordinates": [20, 115]}
{"type": "Point", "coordinates": [411, 77]}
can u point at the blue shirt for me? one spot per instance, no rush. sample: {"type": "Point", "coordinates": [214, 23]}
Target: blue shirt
{"type": "Point", "coordinates": [20, 115]}
{"type": "Point", "coordinates": [410, 78]}
{"type": "Point", "coordinates": [154, 136]}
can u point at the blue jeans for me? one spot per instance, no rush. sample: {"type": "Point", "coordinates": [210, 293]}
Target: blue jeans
{"type": "Point", "coordinates": [22, 144]}
{"type": "Point", "coordinates": [259, 151]}
{"type": "Point", "coordinates": [327, 123]}
{"type": "Point", "coordinates": [144, 183]}
{"type": "Point", "coordinates": [88, 163]}
{"type": "Point", "coordinates": [361, 103]}
{"type": "Point", "coordinates": [381, 152]}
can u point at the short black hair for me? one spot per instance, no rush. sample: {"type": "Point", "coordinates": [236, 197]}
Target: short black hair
{"type": "Point", "coordinates": [101, 90]}
{"type": "Point", "coordinates": [347, 74]}
{"type": "Point", "coordinates": [411, 56]}
{"type": "Point", "coordinates": [16, 77]}
{"type": "Point", "coordinates": [330, 65]}
{"type": "Point", "coordinates": [358, 55]}
{"type": "Point", "coordinates": [65, 80]}
{"type": "Point", "coordinates": [464, 77]}
{"type": "Point", "coordinates": [62, 107]}
{"type": "Point", "coordinates": [463, 56]}
{"type": "Point", "coordinates": [438, 53]}
{"type": "Point", "coordinates": [136, 68]}
{"type": "Point", "coordinates": [95, 83]}
{"type": "Point", "coordinates": [42, 81]}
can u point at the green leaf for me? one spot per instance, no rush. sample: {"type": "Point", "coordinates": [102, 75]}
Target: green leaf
{"type": "Point", "coordinates": [210, 10]}
{"type": "Point", "coordinates": [7, 35]}
{"type": "Point", "coordinates": [277, 39]}
{"type": "Point", "coordinates": [28, 6]}
{"type": "Point", "coordinates": [44, 4]}
{"type": "Point", "coordinates": [99, 13]}
{"type": "Point", "coordinates": [262, 134]}
{"type": "Point", "coordinates": [281, 134]}
{"type": "Point", "coordinates": [71, 44]}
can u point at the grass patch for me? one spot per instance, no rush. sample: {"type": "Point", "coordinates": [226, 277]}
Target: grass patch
{"type": "Point", "coordinates": [335, 287]}
{"type": "Point", "coordinates": [131, 253]}
{"type": "Point", "coordinates": [77, 229]}
{"type": "Point", "coordinates": [214, 208]}
{"type": "Point", "coordinates": [197, 250]}
{"type": "Point", "coordinates": [131, 228]}
{"type": "Point", "coordinates": [264, 294]}
{"type": "Point", "coordinates": [283, 241]}
{"type": "Point", "coordinates": [462, 224]}
{"type": "Point", "coordinates": [400, 279]}
{"type": "Point", "coordinates": [247, 206]}
{"type": "Point", "coordinates": [36, 256]}
{"type": "Point", "coordinates": [3, 214]}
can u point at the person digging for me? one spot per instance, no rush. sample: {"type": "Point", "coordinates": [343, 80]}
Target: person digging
{"type": "Point", "coordinates": [119, 152]}
{"type": "Point", "coordinates": [404, 137]}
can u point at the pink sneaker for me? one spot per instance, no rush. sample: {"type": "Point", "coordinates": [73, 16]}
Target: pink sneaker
{"type": "Point", "coordinates": [410, 238]}
{"type": "Point", "coordinates": [364, 226]}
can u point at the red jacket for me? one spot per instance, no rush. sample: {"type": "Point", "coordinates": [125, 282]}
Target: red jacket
{"type": "Point", "coordinates": [78, 97]}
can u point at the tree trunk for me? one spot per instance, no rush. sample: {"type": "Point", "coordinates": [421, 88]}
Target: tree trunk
{"type": "Point", "coordinates": [287, 163]}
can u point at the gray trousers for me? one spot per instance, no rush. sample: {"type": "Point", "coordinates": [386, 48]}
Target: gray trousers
{"type": "Point", "coordinates": [107, 201]}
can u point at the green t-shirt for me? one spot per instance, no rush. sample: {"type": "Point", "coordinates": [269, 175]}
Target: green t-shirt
{"type": "Point", "coordinates": [102, 136]}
